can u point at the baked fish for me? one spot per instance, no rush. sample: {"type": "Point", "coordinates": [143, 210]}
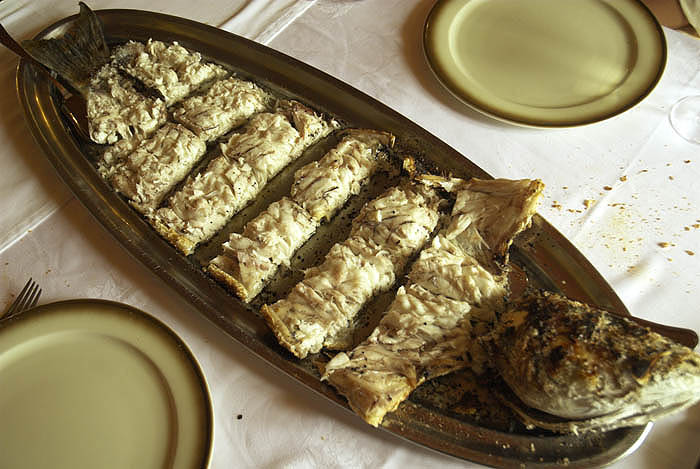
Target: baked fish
{"type": "Point", "coordinates": [384, 235]}
{"type": "Point", "coordinates": [81, 59]}
{"type": "Point", "coordinates": [323, 187]}
{"type": "Point", "coordinates": [169, 68]}
{"type": "Point", "coordinates": [595, 370]}
{"type": "Point", "coordinates": [148, 173]}
{"type": "Point", "coordinates": [450, 300]}
{"type": "Point", "coordinates": [250, 158]}
{"type": "Point", "coordinates": [483, 232]}
{"type": "Point", "coordinates": [249, 259]}
{"type": "Point", "coordinates": [228, 103]}
{"type": "Point", "coordinates": [116, 110]}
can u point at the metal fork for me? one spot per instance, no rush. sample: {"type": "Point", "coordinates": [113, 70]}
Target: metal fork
{"type": "Point", "coordinates": [27, 298]}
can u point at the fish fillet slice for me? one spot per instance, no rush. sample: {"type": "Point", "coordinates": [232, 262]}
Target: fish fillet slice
{"type": "Point", "coordinates": [322, 305]}
{"type": "Point", "coordinates": [249, 259]}
{"type": "Point", "coordinates": [169, 68]}
{"type": "Point", "coordinates": [324, 186]}
{"type": "Point", "coordinates": [483, 232]}
{"type": "Point", "coordinates": [147, 174]}
{"type": "Point", "coordinates": [400, 221]}
{"type": "Point", "coordinates": [422, 336]}
{"type": "Point", "coordinates": [227, 104]}
{"type": "Point", "coordinates": [330, 294]}
{"type": "Point", "coordinates": [246, 263]}
{"type": "Point", "coordinates": [445, 269]}
{"type": "Point", "coordinates": [429, 329]}
{"type": "Point", "coordinates": [208, 200]}
{"type": "Point", "coordinates": [115, 110]}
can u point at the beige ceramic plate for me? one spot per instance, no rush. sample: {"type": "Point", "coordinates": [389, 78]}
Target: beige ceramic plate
{"type": "Point", "coordinates": [99, 384]}
{"type": "Point", "coordinates": [546, 63]}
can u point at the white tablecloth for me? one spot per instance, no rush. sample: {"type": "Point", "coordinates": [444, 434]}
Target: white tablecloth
{"type": "Point", "coordinates": [642, 234]}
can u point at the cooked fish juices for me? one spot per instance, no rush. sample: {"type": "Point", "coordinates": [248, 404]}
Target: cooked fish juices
{"type": "Point", "coordinates": [250, 158]}
{"type": "Point", "coordinates": [249, 259]}
{"type": "Point", "coordinates": [169, 68]}
{"type": "Point", "coordinates": [449, 300]}
{"type": "Point", "coordinates": [116, 110]}
{"type": "Point", "coordinates": [386, 232]}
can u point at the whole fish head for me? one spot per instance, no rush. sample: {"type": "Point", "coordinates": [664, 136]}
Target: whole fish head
{"type": "Point", "coordinates": [595, 369]}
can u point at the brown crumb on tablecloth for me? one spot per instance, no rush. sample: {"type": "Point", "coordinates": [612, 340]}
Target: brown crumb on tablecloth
{"type": "Point", "coordinates": [664, 244]}
{"type": "Point", "coordinates": [689, 252]}
{"type": "Point", "coordinates": [588, 203]}
{"type": "Point", "coordinates": [623, 178]}
{"type": "Point", "coordinates": [607, 188]}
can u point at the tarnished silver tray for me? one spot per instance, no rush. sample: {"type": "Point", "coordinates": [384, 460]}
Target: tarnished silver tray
{"type": "Point", "coordinates": [543, 254]}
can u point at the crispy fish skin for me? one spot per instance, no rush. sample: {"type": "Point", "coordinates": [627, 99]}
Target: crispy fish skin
{"type": "Point", "coordinates": [251, 157]}
{"type": "Point", "coordinates": [167, 67]}
{"type": "Point", "coordinates": [227, 104]}
{"type": "Point", "coordinates": [115, 110]}
{"type": "Point", "coordinates": [270, 240]}
{"type": "Point", "coordinates": [598, 369]}
{"type": "Point", "coordinates": [484, 233]}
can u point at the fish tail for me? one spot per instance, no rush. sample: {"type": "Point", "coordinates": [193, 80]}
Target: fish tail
{"type": "Point", "coordinates": [77, 54]}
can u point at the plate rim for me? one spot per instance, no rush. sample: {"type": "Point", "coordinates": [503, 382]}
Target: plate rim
{"type": "Point", "coordinates": [517, 119]}
{"type": "Point", "coordinates": [123, 311]}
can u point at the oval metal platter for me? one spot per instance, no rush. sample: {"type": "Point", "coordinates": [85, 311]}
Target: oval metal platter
{"type": "Point", "coordinates": [543, 254]}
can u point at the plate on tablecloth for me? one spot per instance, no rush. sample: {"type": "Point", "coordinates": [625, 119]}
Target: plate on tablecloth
{"type": "Point", "coordinates": [546, 63]}
{"type": "Point", "coordinates": [92, 383]}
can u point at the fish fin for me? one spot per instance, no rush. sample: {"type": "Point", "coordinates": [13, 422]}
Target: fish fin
{"type": "Point", "coordinates": [75, 55]}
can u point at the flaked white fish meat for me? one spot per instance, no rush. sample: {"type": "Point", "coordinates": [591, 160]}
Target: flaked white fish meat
{"type": "Point", "coordinates": [385, 234]}
{"type": "Point", "coordinates": [450, 299]}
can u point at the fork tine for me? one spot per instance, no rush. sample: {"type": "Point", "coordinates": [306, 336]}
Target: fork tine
{"type": "Point", "coordinates": [27, 298]}
{"type": "Point", "coordinates": [34, 299]}
{"type": "Point", "coordinates": [16, 305]}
